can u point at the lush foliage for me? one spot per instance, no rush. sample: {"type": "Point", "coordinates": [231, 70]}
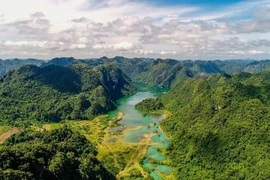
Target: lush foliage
{"type": "Point", "coordinates": [149, 105]}
{"type": "Point", "coordinates": [58, 154]}
{"type": "Point", "coordinates": [54, 93]}
{"type": "Point", "coordinates": [220, 127]}
{"type": "Point", "coordinates": [219, 124]}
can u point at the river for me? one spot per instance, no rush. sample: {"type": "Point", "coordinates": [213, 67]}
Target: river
{"type": "Point", "coordinates": [133, 118]}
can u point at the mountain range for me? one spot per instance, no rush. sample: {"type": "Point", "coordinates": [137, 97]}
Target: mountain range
{"type": "Point", "coordinates": [163, 73]}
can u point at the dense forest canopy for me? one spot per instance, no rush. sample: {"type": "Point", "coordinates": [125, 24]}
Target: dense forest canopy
{"type": "Point", "coordinates": [58, 154]}
{"type": "Point", "coordinates": [220, 127]}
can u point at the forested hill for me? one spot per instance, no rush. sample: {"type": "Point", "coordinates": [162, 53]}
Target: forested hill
{"type": "Point", "coordinates": [217, 66]}
{"type": "Point", "coordinates": [162, 73]}
{"type": "Point", "coordinates": [258, 66]}
{"type": "Point", "coordinates": [56, 154]}
{"type": "Point", "coordinates": [54, 93]}
{"type": "Point", "coordinates": [220, 127]}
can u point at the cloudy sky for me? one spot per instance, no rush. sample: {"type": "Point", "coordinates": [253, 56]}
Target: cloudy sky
{"type": "Point", "coordinates": [180, 29]}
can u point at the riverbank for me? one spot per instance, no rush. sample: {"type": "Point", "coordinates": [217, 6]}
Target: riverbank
{"type": "Point", "coordinates": [147, 135]}
{"type": "Point", "coordinates": [114, 121]}
{"type": "Point", "coordinates": [156, 161]}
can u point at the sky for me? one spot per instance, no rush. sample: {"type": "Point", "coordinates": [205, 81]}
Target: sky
{"type": "Point", "coordinates": [178, 29]}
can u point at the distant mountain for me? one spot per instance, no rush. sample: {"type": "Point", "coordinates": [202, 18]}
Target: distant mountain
{"type": "Point", "coordinates": [154, 72]}
{"type": "Point", "coordinates": [55, 93]}
{"type": "Point", "coordinates": [63, 61]}
{"type": "Point", "coordinates": [232, 66]}
{"type": "Point", "coordinates": [217, 66]}
{"type": "Point", "coordinates": [202, 68]}
{"type": "Point", "coordinates": [11, 64]}
{"type": "Point", "coordinates": [157, 72]}
{"type": "Point", "coordinates": [67, 61]}
{"type": "Point", "coordinates": [163, 73]}
{"type": "Point", "coordinates": [257, 66]}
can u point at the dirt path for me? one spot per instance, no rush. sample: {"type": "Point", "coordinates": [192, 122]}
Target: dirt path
{"type": "Point", "coordinates": [7, 134]}
{"type": "Point", "coordinates": [135, 155]}
{"type": "Point", "coordinates": [115, 156]}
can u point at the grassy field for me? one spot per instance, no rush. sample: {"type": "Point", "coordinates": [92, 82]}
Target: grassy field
{"type": "Point", "coordinates": [52, 126]}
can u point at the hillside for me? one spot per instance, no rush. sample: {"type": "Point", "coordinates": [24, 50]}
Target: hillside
{"type": "Point", "coordinates": [257, 66]}
{"type": "Point", "coordinates": [55, 93]}
{"type": "Point", "coordinates": [220, 127]}
{"type": "Point", "coordinates": [200, 67]}
{"type": "Point", "coordinates": [56, 154]}
{"type": "Point", "coordinates": [216, 66]}
{"type": "Point", "coordinates": [232, 66]}
{"type": "Point", "coordinates": [162, 73]}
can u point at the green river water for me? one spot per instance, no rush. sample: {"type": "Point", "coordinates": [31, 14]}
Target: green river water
{"type": "Point", "coordinates": [133, 118]}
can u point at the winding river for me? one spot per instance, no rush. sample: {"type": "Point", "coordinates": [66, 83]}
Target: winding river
{"type": "Point", "coordinates": [133, 118]}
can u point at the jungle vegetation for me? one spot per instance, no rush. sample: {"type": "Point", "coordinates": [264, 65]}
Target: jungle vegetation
{"type": "Point", "coordinates": [219, 126]}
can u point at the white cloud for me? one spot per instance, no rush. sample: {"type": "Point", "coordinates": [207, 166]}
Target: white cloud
{"type": "Point", "coordinates": [51, 28]}
{"type": "Point", "coordinates": [167, 52]}
{"type": "Point", "coordinates": [101, 46]}
{"type": "Point", "coordinates": [122, 46]}
{"type": "Point", "coordinates": [256, 52]}
{"type": "Point", "coordinates": [25, 43]}
{"type": "Point", "coordinates": [143, 52]}
{"type": "Point", "coordinates": [237, 52]}
{"type": "Point", "coordinates": [77, 46]}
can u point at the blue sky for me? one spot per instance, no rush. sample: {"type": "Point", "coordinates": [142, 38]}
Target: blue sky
{"type": "Point", "coordinates": [133, 28]}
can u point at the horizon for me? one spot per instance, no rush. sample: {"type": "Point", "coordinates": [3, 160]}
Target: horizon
{"type": "Point", "coordinates": [247, 59]}
{"type": "Point", "coordinates": [181, 30]}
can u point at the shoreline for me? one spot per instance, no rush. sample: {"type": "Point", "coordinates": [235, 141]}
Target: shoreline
{"type": "Point", "coordinates": [163, 175]}
{"type": "Point", "coordinates": [114, 122]}
{"type": "Point", "coordinates": [137, 149]}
